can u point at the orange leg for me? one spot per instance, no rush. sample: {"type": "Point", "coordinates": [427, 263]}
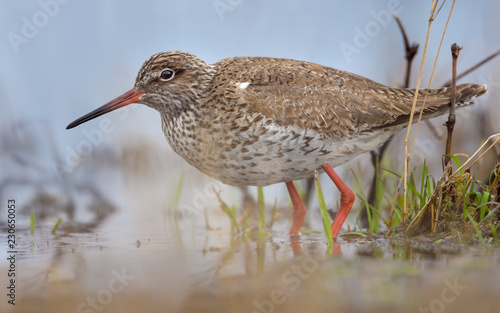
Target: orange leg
{"type": "Point", "coordinates": [299, 209]}
{"type": "Point", "coordinates": [346, 200]}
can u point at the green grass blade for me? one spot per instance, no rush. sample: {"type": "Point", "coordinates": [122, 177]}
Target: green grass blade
{"type": "Point", "coordinates": [229, 212]}
{"type": "Point", "coordinates": [56, 226]}
{"type": "Point", "coordinates": [325, 218]}
{"type": "Point", "coordinates": [177, 194]}
{"type": "Point", "coordinates": [476, 228]}
{"type": "Point", "coordinates": [262, 208]}
{"type": "Point", "coordinates": [456, 160]}
{"type": "Point", "coordinates": [423, 184]}
{"type": "Point", "coordinates": [262, 213]}
{"type": "Point", "coordinates": [424, 175]}
{"type": "Point", "coordinates": [391, 172]}
{"type": "Point", "coordinates": [379, 188]}
{"type": "Point", "coordinates": [373, 220]}
{"type": "Point", "coordinates": [32, 223]}
{"type": "Point", "coordinates": [175, 204]}
{"type": "Point", "coordinates": [485, 198]}
{"type": "Point", "coordinates": [484, 209]}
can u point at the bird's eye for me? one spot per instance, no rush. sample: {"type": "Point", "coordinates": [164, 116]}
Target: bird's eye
{"type": "Point", "coordinates": [167, 74]}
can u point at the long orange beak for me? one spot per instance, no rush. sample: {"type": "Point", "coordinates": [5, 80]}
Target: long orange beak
{"type": "Point", "coordinates": [131, 96]}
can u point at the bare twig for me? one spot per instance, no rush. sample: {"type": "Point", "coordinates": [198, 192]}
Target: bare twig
{"type": "Point", "coordinates": [450, 124]}
{"type": "Point", "coordinates": [410, 51]}
{"type": "Point", "coordinates": [473, 68]}
{"type": "Point", "coordinates": [431, 126]}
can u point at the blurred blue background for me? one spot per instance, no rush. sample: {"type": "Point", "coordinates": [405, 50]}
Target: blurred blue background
{"type": "Point", "coordinates": [60, 59]}
{"type": "Point", "coordinates": [88, 52]}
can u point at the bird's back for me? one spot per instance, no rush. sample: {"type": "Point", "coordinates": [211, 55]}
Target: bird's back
{"type": "Point", "coordinates": [330, 101]}
{"type": "Point", "coordinates": [270, 120]}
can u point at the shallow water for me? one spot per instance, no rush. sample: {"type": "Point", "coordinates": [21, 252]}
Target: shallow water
{"type": "Point", "coordinates": [128, 251]}
{"type": "Point", "coordinates": [201, 270]}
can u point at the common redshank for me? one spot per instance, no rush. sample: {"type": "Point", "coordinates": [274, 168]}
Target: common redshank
{"type": "Point", "coordinates": [260, 121]}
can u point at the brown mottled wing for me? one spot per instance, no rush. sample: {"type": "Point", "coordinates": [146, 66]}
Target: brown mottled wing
{"type": "Point", "coordinates": [330, 101]}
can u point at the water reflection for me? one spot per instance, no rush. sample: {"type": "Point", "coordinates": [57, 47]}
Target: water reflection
{"type": "Point", "coordinates": [136, 253]}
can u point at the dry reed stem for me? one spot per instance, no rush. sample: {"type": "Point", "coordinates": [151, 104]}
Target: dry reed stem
{"type": "Point", "coordinates": [410, 122]}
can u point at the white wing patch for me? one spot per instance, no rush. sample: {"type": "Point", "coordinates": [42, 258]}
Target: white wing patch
{"type": "Point", "coordinates": [242, 85]}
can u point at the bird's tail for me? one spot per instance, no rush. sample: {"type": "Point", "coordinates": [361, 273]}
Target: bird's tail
{"type": "Point", "coordinates": [464, 94]}
{"type": "Point", "coordinates": [437, 101]}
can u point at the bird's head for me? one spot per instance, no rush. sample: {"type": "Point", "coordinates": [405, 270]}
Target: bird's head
{"type": "Point", "coordinates": [170, 82]}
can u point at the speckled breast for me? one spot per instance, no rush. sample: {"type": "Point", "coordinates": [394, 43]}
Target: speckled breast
{"type": "Point", "coordinates": [259, 152]}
